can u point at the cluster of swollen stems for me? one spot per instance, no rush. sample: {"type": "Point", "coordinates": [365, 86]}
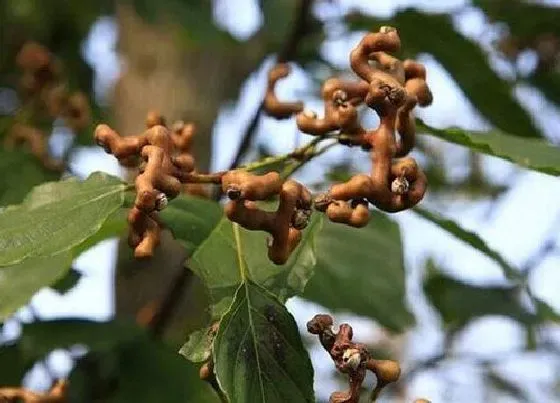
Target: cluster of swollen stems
{"type": "Point", "coordinates": [44, 97]}
{"type": "Point", "coordinates": [390, 87]}
{"type": "Point", "coordinates": [353, 359]}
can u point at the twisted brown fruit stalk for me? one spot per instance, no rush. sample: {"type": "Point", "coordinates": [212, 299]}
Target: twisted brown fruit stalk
{"type": "Point", "coordinates": [391, 88]}
{"type": "Point", "coordinates": [165, 164]}
{"type": "Point", "coordinates": [352, 359]}
{"type": "Point", "coordinates": [340, 98]}
{"type": "Point", "coordinates": [284, 225]}
{"type": "Point", "coordinates": [45, 97]}
{"type": "Point", "coordinates": [272, 105]}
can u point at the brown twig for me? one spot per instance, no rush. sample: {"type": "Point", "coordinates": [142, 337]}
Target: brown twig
{"type": "Point", "coordinates": [287, 53]}
{"type": "Point", "coordinates": [156, 317]}
{"type": "Point", "coordinates": [57, 394]}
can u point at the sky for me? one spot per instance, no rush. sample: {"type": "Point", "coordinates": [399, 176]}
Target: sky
{"type": "Point", "coordinates": [519, 221]}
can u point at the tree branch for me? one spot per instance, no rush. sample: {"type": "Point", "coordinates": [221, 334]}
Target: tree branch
{"type": "Point", "coordinates": [287, 53]}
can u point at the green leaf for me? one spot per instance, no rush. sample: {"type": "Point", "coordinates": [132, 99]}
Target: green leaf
{"type": "Point", "coordinates": [458, 302]}
{"type": "Point", "coordinates": [57, 216]}
{"type": "Point", "coordinates": [534, 154]}
{"type": "Point", "coordinates": [143, 369]}
{"type": "Point", "coordinates": [115, 226]}
{"type": "Point", "coordinates": [470, 238]}
{"type": "Point", "coordinates": [362, 271]}
{"type": "Point", "coordinates": [465, 62]}
{"type": "Point", "coordinates": [214, 262]}
{"type": "Point", "coordinates": [19, 282]}
{"type": "Point", "coordinates": [40, 338]}
{"type": "Point", "coordinates": [198, 346]}
{"type": "Point", "coordinates": [548, 82]}
{"type": "Point", "coordinates": [67, 282]}
{"type": "Point", "coordinates": [191, 219]}
{"type": "Point", "coordinates": [520, 16]}
{"type": "Point", "coordinates": [20, 172]}
{"type": "Point", "coordinates": [545, 311]}
{"type": "Point", "coordinates": [258, 352]}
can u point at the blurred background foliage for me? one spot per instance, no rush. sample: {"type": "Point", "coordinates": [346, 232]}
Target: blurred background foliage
{"type": "Point", "coordinates": [178, 56]}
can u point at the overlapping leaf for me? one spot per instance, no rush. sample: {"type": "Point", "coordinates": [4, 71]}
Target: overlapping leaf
{"type": "Point", "coordinates": [57, 216]}
{"type": "Point", "coordinates": [534, 154]}
{"type": "Point", "coordinates": [469, 238]}
{"type": "Point", "coordinates": [258, 352]}
{"type": "Point", "coordinates": [121, 353]}
{"type": "Point", "coordinates": [216, 256]}
{"type": "Point", "coordinates": [20, 172]}
{"type": "Point", "coordinates": [458, 302]}
{"type": "Point", "coordinates": [56, 222]}
{"type": "Point", "coordinates": [362, 271]}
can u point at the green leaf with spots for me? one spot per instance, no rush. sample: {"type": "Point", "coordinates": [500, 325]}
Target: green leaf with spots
{"type": "Point", "coordinates": [58, 216]}
{"type": "Point", "coordinates": [216, 262]}
{"type": "Point", "coordinates": [258, 352]}
{"type": "Point", "coordinates": [362, 271]}
{"type": "Point", "coordinates": [534, 154]}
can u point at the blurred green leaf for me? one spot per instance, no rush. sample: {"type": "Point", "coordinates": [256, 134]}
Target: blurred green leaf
{"type": "Point", "coordinates": [470, 238]}
{"type": "Point", "coordinates": [463, 59]}
{"type": "Point", "coordinates": [458, 302]}
{"type": "Point", "coordinates": [545, 311]}
{"type": "Point", "coordinates": [362, 271]}
{"type": "Point", "coordinates": [548, 82]}
{"type": "Point", "coordinates": [20, 172]}
{"type": "Point", "coordinates": [19, 282]}
{"type": "Point", "coordinates": [67, 282]}
{"type": "Point", "coordinates": [39, 338]}
{"type": "Point", "coordinates": [58, 216]}
{"type": "Point", "coordinates": [144, 370]}
{"type": "Point", "coordinates": [520, 17]}
{"type": "Point", "coordinates": [271, 363]}
{"type": "Point", "coordinates": [505, 386]}
{"type": "Point", "coordinates": [534, 154]}
{"type": "Point", "coordinates": [195, 17]}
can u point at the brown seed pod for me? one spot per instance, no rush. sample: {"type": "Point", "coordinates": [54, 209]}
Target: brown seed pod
{"type": "Point", "coordinates": [346, 212]}
{"type": "Point", "coordinates": [78, 111]}
{"type": "Point", "coordinates": [38, 143]}
{"type": "Point", "coordinates": [243, 189]}
{"type": "Point", "coordinates": [272, 105]}
{"type": "Point", "coordinates": [352, 359]}
{"type": "Point", "coordinates": [340, 113]}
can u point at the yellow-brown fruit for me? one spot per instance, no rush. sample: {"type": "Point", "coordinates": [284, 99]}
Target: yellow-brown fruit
{"type": "Point", "coordinates": [387, 371]}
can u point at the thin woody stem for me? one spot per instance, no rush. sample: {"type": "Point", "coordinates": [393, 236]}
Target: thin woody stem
{"type": "Point", "coordinates": [291, 169]}
{"type": "Point", "coordinates": [298, 154]}
{"type": "Point", "coordinates": [193, 177]}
